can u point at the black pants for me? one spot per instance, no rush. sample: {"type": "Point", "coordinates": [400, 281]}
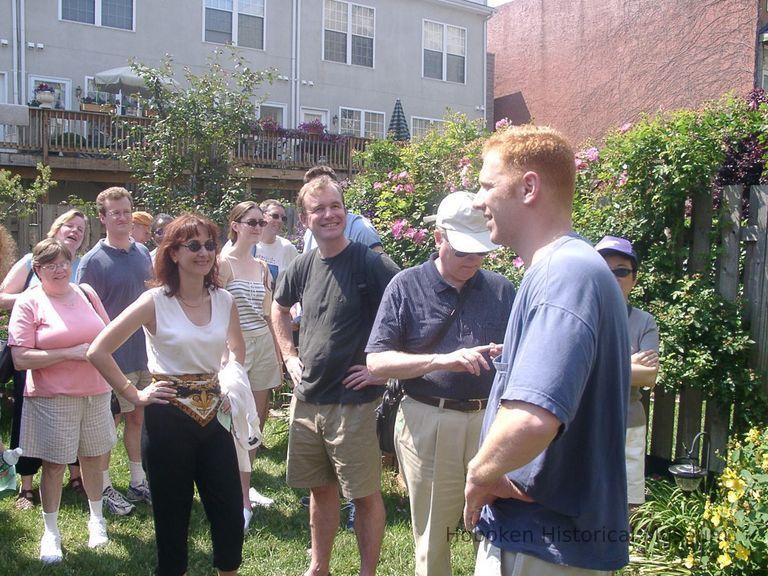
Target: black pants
{"type": "Point", "coordinates": [178, 455]}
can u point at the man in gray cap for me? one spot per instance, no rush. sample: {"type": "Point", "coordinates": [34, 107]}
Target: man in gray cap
{"type": "Point", "coordinates": [435, 330]}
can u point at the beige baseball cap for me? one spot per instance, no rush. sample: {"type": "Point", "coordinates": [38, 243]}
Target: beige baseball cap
{"type": "Point", "coordinates": [464, 226]}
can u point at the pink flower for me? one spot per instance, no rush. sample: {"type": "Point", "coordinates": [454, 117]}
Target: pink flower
{"type": "Point", "coordinates": [580, 165]}
{"type": "Point", "coordinates": [408, 188]}
{"type": "Point", "coordinates": [402, 176]}
{"type": "Point", "coordinates": [518, 262]}
{"type": "Point", "coordinates": [397, 228]}
{"type": "Point", "coordinates": [410, 233]}
{"type": "Point", "coordinates": [503, 123]}
{"type": "Point", "coordinates": [626, 127]}
{"type": "Point", "coordinates": [420, 235]}
{"type": "Point", "coordinates": [592, 154]}
{"type": "Point", "coordinates": [377, 185]}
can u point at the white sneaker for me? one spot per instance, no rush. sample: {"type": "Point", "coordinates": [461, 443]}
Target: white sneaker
{"type": "Point", "coordinates": [258, 499]}
{"type": "Point", "coordinates": [116, 502]}
{"type": "Point", "coordinates": [97, 533]}
{"type": "Point", "coordinates": [247, 515]}
{"type": "Point", "coordinates": [50, 548]}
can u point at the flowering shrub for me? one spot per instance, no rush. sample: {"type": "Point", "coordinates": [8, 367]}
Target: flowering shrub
{"type": "Point", "coordinates": [315, 126]}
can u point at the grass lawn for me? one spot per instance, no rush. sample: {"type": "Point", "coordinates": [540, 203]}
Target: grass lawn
{"type": "Point", "coordinates": [276, 544]}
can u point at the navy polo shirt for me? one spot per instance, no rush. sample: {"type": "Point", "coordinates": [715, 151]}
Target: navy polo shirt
{"type": "Point", "coordinates": [413, 310]}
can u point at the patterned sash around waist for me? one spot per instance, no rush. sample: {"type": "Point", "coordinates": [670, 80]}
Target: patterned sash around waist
{"type": "Point", "coordinates": [197, 395]}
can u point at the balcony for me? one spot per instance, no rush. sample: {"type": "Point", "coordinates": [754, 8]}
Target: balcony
{"type": "Point", "coordinates": [88, 142]}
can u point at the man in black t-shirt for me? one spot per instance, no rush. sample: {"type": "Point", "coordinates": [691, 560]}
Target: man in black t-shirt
{"type": "Point", "coordinates": [332, 443]}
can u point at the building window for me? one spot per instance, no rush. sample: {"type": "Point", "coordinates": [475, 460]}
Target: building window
{"type": "Point", "coordinates": [111, 13]}
{"type": "Point", "coordinates": [363, 123]}
{"type": "Point", "coordinates": [348, 33]}
{"type": "Point", "coordinates": [274, 112]}
{"type": "Point", "coordinates": [445, 51]}
{"type": "Point", "coordinates": [238, 22]}
{"type": "Point", "coordinates": [420, 127]}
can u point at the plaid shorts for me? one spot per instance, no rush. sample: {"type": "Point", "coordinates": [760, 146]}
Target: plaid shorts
{"type": "Point", "coordinates": [58, 429]}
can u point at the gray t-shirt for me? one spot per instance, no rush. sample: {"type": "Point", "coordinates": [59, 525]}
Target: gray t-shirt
{"type": "Point", "coordinates": [566, 350]}
{"type": "Point", "coordinates": [643, 335]}
{"type": "Point", "coordinates": [416, 305]}
{"type": "Point", "coordinates": [337, 314]}
{"type": "Point", "coordinates": [119, 278]}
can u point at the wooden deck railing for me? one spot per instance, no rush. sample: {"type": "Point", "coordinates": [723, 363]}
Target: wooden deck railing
{"type": "Point", "coordinates": [96, 134]}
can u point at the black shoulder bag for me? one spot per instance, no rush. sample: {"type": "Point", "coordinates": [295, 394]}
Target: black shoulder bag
{"type": "Point", "coordinates": [6, 359]}
{"type": "Point", "coordinates": [386, 412]}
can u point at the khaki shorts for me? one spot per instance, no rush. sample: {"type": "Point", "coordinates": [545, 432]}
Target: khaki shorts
{"type": "Point", "coordinates": [493, 561]}
{"type": "Point", "coordinates": [634, 452]}
{"type": "Point", "coordinates": [58, 429]}
{"type": "Point", "coordinates": [141, 379]}
{"type": "Point", "coordinates": [264, 372]}
{"type": "Point", "coordinates": [329, 443]}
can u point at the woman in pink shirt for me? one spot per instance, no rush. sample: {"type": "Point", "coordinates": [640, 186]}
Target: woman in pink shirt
{"type": "Point", "coordinates": [66, 408]}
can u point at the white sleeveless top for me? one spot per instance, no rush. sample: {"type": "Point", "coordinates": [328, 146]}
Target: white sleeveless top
{"type": "Point", "coordinates": [181, 347]}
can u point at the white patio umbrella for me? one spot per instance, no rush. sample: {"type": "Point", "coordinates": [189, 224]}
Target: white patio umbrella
{"type": "Point", "coordinates": [124, 79]}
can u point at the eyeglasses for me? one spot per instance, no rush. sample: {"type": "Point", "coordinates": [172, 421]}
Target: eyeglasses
{"type": "Point", "coordinates": [158, 232]}
{"type": "Point", "coordinates": [118, 213]}
{"type": "Point", "coordinates": [253, 222]}
{"type": "Point", "coordinates": [195, 246]}
{"type": "Point", "coordinates": [460, 254]}
{"type": "Point", "coordinates": [56, 267]}
{"type": "Point", "coordinates": [276, 216]}
{"type": "Point", "coordinates": [622, 272]}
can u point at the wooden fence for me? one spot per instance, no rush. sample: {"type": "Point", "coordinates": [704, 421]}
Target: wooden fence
{"type": "Point", "coordinates": [677, 418]}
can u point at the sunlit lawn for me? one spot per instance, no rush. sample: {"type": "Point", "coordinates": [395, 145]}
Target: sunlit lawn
{"type": "Point", "coordinates": [276, 544]}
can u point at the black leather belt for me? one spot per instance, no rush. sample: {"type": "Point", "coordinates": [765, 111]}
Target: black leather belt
{"type": "Point", "coordinates": [471, 405]}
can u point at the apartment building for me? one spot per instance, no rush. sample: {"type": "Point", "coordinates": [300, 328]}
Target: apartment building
{"type": "Point", "coordinates": [342, 62]}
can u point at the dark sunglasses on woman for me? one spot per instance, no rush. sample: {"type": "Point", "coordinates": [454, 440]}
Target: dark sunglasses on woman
{"type": "Point", "coordinates": [253, 222]}
{"type": "Point", "coordinates": [276, 216]}
{"type": "Point", "coordinates": [195, 246]}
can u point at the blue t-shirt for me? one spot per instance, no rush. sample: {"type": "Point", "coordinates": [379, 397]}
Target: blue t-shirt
{"type": "Point", "coordinates": [414, 308]}
{"type": "Point", "coordinates": [119, 277]}
{"type": "Point", "coordinates": [566, 350]}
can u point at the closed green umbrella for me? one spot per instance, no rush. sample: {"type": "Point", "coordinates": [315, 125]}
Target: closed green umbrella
{"type": "Point", "coordinates": [398, 125]}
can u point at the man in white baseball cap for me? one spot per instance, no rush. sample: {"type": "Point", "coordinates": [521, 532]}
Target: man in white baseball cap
{"type": "Point", "coordinates": [435, 331]}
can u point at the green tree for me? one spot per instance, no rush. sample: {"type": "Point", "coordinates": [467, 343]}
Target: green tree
{"type": "Point", "coordinates": [183, 160]}
{"type": "Point", "coordinates": [19, 199]}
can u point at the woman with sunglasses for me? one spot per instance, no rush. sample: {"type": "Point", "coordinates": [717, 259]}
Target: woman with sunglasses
{"type": "Point", "coordinates": [249, 281]}
{"type": "Point", "coordinates": [189, 324]}
{"type": "Point", "coordinates": [275, 250]}
{"type": "Point", "coordinates": [70, 229]}
{"type": "Point", "coordinates": [66, 409]}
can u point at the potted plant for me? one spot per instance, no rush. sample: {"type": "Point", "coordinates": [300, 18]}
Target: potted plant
{"type": "Point", "coordinates": [45, 95]}
{"type": "Point", "coordinates": [315, 126]}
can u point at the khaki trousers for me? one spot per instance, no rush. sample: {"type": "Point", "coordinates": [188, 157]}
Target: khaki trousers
{"type": "Point", "coordinates": [433, 447]}
{"type": "Point", "coordinates": [493, 561]}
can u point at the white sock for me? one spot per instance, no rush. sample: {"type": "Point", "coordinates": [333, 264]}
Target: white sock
{"type": "Point", "coordinates": [106, 481]}
{"type": "Point", "coordinates": [137, 473]}
{"type": "Point", "coordinates": [96, 508]}
{"type": "Point", "coordinates": [51, 521]}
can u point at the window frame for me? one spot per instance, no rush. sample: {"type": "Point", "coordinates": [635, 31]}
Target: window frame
{"type": "Point", "coordinates": [348, 34]}
{"type": "Point", "coordinates": [235, 14]}
{"type": "Point", "coordinates": [363, 116]}
{"type": "Point", "coordinates": [444, 51]}
{"type": "Point", "coordinates": [97, 16]}
{"type": "Point", "coordinates": [437, 121]}
{"type": "Point", "coordinates": [65, 89]}
{"type": "Point", "coordinates": [283, 107]}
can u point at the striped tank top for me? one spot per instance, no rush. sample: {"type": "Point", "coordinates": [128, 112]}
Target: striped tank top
{"type": "Point", "coordinates": [249, 299]}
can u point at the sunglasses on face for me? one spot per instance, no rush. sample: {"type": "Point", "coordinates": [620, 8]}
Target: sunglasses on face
{"type": "Point", "coordinates": [253, 223]}
{"type": "Point", "coordinates": [195, 245]}
{"type": "Point", "coordinates": [460, 254]}
{"type": "Point", "coordinates": [621, 272]}
{"type": "Point", "coordinates": [159, 232]}
{"type": "Point", "coordinates": [276, 216]}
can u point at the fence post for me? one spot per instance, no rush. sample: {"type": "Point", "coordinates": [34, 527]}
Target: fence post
{"type": "Point", "coordinates": [756, 237]}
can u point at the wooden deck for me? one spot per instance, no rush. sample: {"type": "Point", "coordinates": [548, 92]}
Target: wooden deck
{"type": "Point", "coordinates": [89, 145]}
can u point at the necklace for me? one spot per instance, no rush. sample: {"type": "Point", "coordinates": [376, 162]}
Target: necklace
{"type": "Point", "coordinates": [188, 305]}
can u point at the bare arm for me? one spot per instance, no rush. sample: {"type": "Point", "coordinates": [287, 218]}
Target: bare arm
{"type": "Point", "coordinates": [281, 319]}
{"type": "Point", "coordinates": [235, 340]}
{"type": "Point", "coordinates": [395, 364]}
{"type": "Point", "coordinates": [33, 358]}
{"type": "Point", "coordinates": [140, 313]}
{"type": "Point", "coordinates": [645, 369]}
{"type": "Point", "coordinates": [13, 284]}
{"type": "Point", "coordinates": [519, 433]}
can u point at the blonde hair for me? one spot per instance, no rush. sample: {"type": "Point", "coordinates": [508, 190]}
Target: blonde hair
{"type": "Point", "coordinates": [538, 148]}
{"type": "Point", "coordinates": [66, 217]}
{"type": "Point", "coordinates": [113, 193]}
{"type": "Point", "coordinates": [143, 218]}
